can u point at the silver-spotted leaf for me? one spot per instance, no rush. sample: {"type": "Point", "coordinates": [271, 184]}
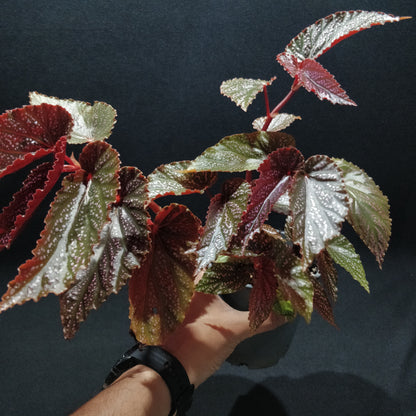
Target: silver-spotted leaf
{"type": "Point", "coordinates": [124, 243]}
{"type": "Point", "coordinates": [240, 152]}
{"type": "Point", "coordinates": [29, 133]}
{"type": "Point", "coordinates": [172, 179]}
{"type": "Point", "coordinates": [369, 210]}
{"type": "Point", "coordinates": [280, 122]}
{"type": "Point", "coordinates": [224, 215]}
{"type": "Point", "coordinates": [73, 225]}
{"type": "Point", "coordinates": [343, 253]}
{"type": "Point", "coordinates": [297, 287]}
{"type": "Point", "coordinates": [319, 205]}
{"type": "Point", "coordinates": [226, 275]}
{"type": "Point", "coordinates": [243, 91]}
{"type": "Point", "coordinates": [276, 177]}
{"type": "Point", "coordinates": [160, 291]}
{"type": "Point", "coordinates": [319, 37]}
{"type": "Point", "coordinates": [91, 122]}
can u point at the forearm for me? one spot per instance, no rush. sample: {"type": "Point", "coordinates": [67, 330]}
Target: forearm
{"type": "Point", "coordinates": [140, 391]}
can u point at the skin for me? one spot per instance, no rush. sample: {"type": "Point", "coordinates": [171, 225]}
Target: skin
{"type": "Point", "coordinates": [210, 332]}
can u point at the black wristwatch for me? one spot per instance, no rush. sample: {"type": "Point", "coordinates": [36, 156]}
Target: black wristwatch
{"type": "Point", "coordinates": [164, 363]}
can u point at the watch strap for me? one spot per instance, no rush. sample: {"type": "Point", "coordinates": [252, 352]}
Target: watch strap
{"type": "Point", "coordinates": [166, 365]}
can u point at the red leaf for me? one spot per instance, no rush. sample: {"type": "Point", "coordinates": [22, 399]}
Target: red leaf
{"type": "Point", "coordinates": [29, 133]}
{"type": "Point", "coordinates": [315, 78]}
{"type": "Point", "coordinates": [276, 174]}
{"type": "Point", "coordinates": [263, 294]}
{"type": "Point", "coordinates": [161, 290]}
{"type": "Point", "coordinates": [37, 185]}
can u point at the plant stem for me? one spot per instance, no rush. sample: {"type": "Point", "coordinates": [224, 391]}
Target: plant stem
{"type": "Point", "coordinates": [154, 207]}
{"type": "Point", "coordinates": [295, 86]}
{"type": "Point", "coordinates": [266, 100]}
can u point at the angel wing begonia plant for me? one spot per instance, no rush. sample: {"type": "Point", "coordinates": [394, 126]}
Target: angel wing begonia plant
{"type": "Point", "coordinates": [104, 228]}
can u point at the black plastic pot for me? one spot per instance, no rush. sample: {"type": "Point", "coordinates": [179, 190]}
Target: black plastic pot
{"type": "Point", "coordinates": [261, 350]}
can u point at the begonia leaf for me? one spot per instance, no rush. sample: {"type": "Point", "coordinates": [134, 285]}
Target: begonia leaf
{"type": "Point", "coordinates": [319, 37]}
{"type": "Point", "coordinates": [299, 56]}
{"type": "Point", "coordinates": [276, 177]}
{"type": "Point", "coordinates": [263, 294]}
{"type": "Point", "coordinates": [328, 274]}
{"type": "Point", "coordinates": [160, 291]}
{"type": "Point", "coordinates": [280, 122]}
{"type": "Point", "coordinates": [243, 91]}
{"type": "Point", "coordinates": [226, 275]}
{"type": "Point", "coordinates": [369, 210]}
{"type": "Point", "coordinates": [319, 205]}
{"type": "Point", "coordinates": [315, 78]}
{"type": "Point", "coordinates": [321, 302]}
{"type": "Point", "coordinates": [124, 243]}
{"type": "Point", "coordinates": [224, 215]}
{"type": "Point", "coordinates": [37, 185]}
{"type": "Point", "coordinates": [343, 253]}
{"type": "Point", "coordinates": [172, 179]}
{"type": "Point", "coordinates": [298, 289]}
{"type": "Point", "coordinates": [91, 122]}
{"type": "Point", "coordinates": [240, 152]}
{"type": "Point", "coordinates": [294, 284]}
{"type": "Point", "coordinates": [73, 225]}
{"type": "Point", "coordinates": [29, 133]}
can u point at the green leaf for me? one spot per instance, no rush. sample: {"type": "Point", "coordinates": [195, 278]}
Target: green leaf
{"type": "Point", "coordinates": [319, 206]}
{"type": "Point", "coordinates": [243, 91]}
{"type": "Point", "coordinates": [91, 122]}
{"type": "Point", "coordinates": [160, 291]}
{"type": "Point", "coordinates": [369, 210]}
{"type": "Point", "coordinates": [224, 215]}
{"type": "Point", "coordinates": [226, 275]}
{"type": "Point", "coordinates": [278, 123]}
{"type": "Point", "coordinates": [124, 242]}
{"type": "Point", "coordinates": [171, 179]}
{"type": "Point", "coordinates": [73, 225]}
{"type": "Point", "coordinates": [343, 253]}
{"type": "Point", "coordinates": [297, 288]}
{"type": "Point", "coordinates": [240, 152]}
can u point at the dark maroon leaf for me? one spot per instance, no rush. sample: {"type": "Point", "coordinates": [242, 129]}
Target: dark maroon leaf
{"type": "Point", "coordinates": [321, 302]}
{"type": "Point", "coordinates": [37, 185]}
{"type": "Point", "coordinates": [263, 294]}
{"type": "Point", "coordinates": [29, 133]}
{"type": "Point", "coordinates": [328, 274]}
{"type": "Point", "coordinates": [315, 78]}
{"type": "Point", "coordinates": [161, 290]}
{"type": "Point", "coordinates": [276, 174]}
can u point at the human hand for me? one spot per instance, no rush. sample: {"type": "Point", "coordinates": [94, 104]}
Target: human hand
{"type": "Point", "coordinates": [209, 334]}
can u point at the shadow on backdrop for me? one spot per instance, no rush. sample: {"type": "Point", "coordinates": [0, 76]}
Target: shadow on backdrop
{"type": "Point", "coordinates": [320, 394]}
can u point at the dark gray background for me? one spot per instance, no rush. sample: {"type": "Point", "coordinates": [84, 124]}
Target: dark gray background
{"type": "Point", "coordinates": [160, 64]}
